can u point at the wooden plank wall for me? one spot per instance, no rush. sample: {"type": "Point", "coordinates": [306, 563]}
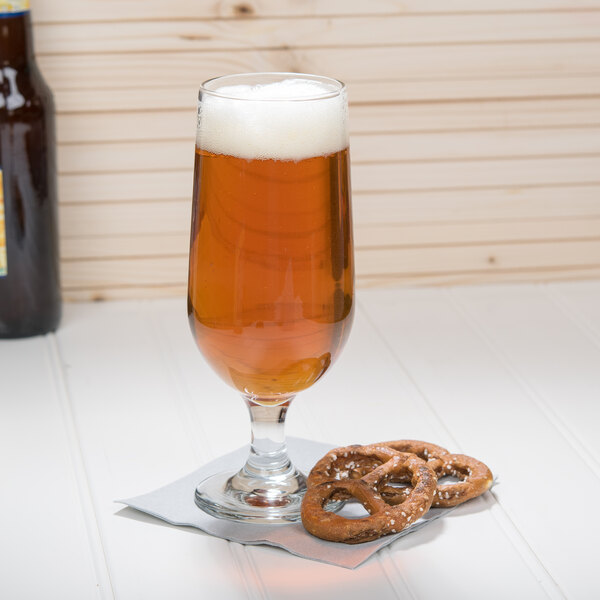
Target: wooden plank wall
{"type": "Point", "coordinates": [475, 130]}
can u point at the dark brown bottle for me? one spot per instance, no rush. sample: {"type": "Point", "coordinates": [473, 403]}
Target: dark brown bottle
{"type": "Point", "coordinates": [30, 301]}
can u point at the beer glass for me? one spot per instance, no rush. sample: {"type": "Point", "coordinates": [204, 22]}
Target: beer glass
{"type": "Point", "coordinates": [271, 271]}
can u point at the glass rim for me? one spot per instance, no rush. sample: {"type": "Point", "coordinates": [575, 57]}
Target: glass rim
{"type": "Point", "coordinates": [341, 86]}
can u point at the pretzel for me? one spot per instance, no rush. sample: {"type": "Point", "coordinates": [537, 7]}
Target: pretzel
{"type": "Point", "coordinates": [428, 452]}
{"type": "Point", "coordinates": [475, 475]}
{"type": "Point", "coordinates": [351, 462]}
{"type": "Point", "coordinates": [383, 519]}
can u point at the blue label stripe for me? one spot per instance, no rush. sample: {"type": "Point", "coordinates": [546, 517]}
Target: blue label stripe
{"type": "Point", "coordinates": [17, 13]}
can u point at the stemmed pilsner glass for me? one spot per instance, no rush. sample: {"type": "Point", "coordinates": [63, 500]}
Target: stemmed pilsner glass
{"type": "Point", "coordinates": [271, 273]}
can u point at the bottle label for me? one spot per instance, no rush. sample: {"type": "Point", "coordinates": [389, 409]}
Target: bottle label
{"type": "Point", "coordinates": [3, 265]}
{"type": "Point", "coordinates": [13, 6]}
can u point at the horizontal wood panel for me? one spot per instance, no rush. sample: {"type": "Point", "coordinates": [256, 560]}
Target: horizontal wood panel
{"type": "Point", "coordinates": [482, 115]}
{"type": "Point", "coordinates": [439, 63]}
{"type": "Point", "coordinates": [121, 246]}
{"type": "Point", "coordinates": [383, 177]}
{"type": "Point", "coordinates": [518, 202]}
{"type": "Point", "coordinates": [126, 156]}
{"type": "Point", "coordinates": [477, 258]}
{"type": "Point", "coordinates": [482, 207]}
{"type": "Point", "coordinates": [172, 270]}
{"type": "Point", "coordinates": [484, 173]}
{"type": "Point", "coordinates": [509, 276]}
{"type": "Point", "coordinates": [392, 281]}
{"type": "Point", "coordinates": [241, 34]}
{"type": "Point", "coordinates": [474, 144]}
{"type": "Point", "coordinates": [145, 98]}
{"type": "Point", "coordinates": [166, 154]}
{"type": "Point", "coordinates": [97, 294]}
{"type": "Point", "coordinates": [396, 235]}
{"type": "Point", "coordinates": [364, 119]}
{"type": "Point", "coordinates": [119, 10]}
{"type": "Point", "coordinates": [125, 218]}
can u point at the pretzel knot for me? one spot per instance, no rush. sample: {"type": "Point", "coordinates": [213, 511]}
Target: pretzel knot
{"type": "Point", "coordinates": [383, 519]}
{"type": "Point", "coordinates": [475, 476]}
{"type": "Point", "coordinates": [352, 462]}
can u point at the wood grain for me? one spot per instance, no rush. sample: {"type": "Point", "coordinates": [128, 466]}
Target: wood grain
{"type": "Point", "coordinates": [473, 125]}
{"type": "Point", "coordinates": [119, 10]}
{"type": "Point", "coordinates": [314, 32]}
{"type": "Point", "coordinates": [442, 64]}
{"type": "Point", "coordinates": [401, 117]}
{"type": "Point", "coordinates": [393, 237]}
{"type": "Point", "coordinates": [367, 148]}
{"type": "Point", "coordinates": [366, 177]}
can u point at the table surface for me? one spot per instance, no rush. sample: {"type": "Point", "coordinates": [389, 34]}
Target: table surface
{"type": "Point", "coordinates": [120, 402]}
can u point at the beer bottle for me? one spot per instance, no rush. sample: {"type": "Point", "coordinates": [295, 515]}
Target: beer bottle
{"type": "Point", "coordinates": [29, 274]}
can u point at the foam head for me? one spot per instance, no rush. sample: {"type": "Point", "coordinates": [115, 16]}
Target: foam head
{"type": "Point", "coordinates": [290, 119]}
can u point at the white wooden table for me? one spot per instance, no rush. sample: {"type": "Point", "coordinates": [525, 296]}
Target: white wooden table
{"type": "Point", "coordinates": [119, 402]}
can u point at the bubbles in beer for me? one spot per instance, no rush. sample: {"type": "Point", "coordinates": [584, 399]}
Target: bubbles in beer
{"type": "Point", "coordinates": [292, 119]}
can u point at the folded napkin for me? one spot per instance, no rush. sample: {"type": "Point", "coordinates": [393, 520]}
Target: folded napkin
{"type": "Point", "coordinates": [174, 503]}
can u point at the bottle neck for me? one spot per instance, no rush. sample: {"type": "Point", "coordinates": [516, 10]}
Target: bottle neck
{"type": "Point", "coordinates": [16, 39]}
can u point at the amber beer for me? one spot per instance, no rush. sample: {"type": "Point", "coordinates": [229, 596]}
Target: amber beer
{"type": "Point", "coordinates": [271, 261]}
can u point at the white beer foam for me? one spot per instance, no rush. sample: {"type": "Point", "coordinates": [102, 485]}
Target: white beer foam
{"type": "Point", "coordinates": [281, 120]}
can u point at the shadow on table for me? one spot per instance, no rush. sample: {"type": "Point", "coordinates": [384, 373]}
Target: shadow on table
{"type": "Point", "coordinates": [424, 534]}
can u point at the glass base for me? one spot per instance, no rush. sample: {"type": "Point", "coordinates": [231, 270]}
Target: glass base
{"type": "Point", "coordinates": [239, 496]}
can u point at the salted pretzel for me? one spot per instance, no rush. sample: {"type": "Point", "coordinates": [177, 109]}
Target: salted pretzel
{"type": "Point", "coordinates": [425, 450]}
{"type": "Point", "coordinates": [475, 475]}
{"type": "Point", "coordinates": [352, 462]}
{"type": "Point", "coordinates": [383, 519]}
{"type": "Point", "coordinates": [476, 479]}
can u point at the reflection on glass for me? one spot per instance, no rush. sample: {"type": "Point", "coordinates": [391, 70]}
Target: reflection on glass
{"type": "Point", "coordinates": [271, 264]}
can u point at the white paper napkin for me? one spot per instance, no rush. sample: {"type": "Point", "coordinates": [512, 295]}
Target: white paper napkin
{"type": "Point", "coordinates": [174, 503]}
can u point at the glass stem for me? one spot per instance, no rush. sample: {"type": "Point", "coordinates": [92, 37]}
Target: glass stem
{"type": "Point", "coordinates": [268, 452]}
